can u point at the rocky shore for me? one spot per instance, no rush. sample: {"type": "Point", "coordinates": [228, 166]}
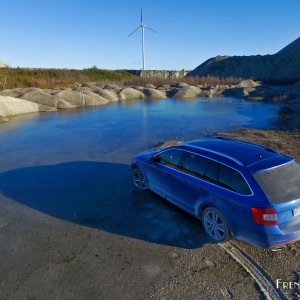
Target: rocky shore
{"type": "Point", "coordinates": [25, 100]}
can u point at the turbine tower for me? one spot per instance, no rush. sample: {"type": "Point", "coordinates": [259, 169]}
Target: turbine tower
{"type": "Point", "coordinates": [143, 26]}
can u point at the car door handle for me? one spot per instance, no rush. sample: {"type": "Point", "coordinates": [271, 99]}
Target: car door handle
{"type": "Point", "coordinates": [200, 189]}
{"type": "Point", "coordinates": [168, 174]}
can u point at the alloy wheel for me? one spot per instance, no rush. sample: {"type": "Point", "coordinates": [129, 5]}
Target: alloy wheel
{"type": "Point", "coordinates": [138, 179]}
{"type": "Point", "coordinates": [215, 225]}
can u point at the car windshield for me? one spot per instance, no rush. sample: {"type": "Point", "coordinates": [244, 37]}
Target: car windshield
{"type": "Point", "coordinates": [281, 184]}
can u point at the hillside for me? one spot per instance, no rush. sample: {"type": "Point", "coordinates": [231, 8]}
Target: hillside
{"type": "Point", "coordinates": [282, 67]}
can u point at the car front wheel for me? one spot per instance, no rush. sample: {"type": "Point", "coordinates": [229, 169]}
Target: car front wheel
{"type": "Point", "coordinates": [215, 225]}
{"type": "Point", "coordinates": [138, 179]}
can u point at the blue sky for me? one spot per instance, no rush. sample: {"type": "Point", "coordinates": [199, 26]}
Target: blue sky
{"type": "Point", "coordinates": [80, 34]}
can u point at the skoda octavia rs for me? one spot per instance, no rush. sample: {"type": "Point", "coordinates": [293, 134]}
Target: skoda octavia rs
{"type": "Point", "coordinates": [236, 188]}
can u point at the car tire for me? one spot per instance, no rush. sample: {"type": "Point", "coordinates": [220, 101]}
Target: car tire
{"type": "Point", "coordinates": [139, 179]}
{"type": "Point", "coordinates": [215, 225]}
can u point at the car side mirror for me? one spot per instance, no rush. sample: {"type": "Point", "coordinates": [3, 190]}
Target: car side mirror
{"type": "Point", "coordinates": [151, 160]}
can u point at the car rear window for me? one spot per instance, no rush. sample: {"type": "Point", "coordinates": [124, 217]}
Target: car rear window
{"type": "Point", "coordinates": [281, 184]}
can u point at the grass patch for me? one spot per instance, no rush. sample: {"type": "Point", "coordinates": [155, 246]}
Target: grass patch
{"type": "Point", "coordinates": [57, 78]}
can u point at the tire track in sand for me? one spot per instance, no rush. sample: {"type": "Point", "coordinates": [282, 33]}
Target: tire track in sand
{"type": "Point", "coordinates": [265, 283]}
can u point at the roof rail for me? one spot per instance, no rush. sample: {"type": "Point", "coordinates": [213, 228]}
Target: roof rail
{"type": "Point", "coordinates": [225, 138]}
{"type": "Point", "coordinates": [218, 153]}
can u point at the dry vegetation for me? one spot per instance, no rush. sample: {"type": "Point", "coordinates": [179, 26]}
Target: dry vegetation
{"type": "Point", "coordinates": [63, 78]}
{"type": "Point", "coordinates": [56, 78]}
{"type": "Point", "coordinates": [203, 81]}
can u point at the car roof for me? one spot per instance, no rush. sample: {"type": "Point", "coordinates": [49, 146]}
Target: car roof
{"type": "Point", "coordinates": [243, 153]}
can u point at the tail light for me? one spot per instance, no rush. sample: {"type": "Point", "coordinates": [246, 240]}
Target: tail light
{"type": "Point", "coordinates": [264, 216]}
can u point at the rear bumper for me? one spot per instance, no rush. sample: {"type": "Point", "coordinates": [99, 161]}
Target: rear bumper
{"type": "Point", "coordinates": [272, 237]}
{"type": "Point", "coordinates": [283, 240]}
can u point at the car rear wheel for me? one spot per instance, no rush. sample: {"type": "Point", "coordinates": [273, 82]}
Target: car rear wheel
{"type": "Point", "coordinates": [138, 179]}
{"type": "Point", "coordinates": [215, 225]}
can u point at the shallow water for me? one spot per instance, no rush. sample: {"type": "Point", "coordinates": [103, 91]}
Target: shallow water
{"type": "Point", "coordinates": [74, 164]}
{"type": "Point", "coordinates": [116, 132]}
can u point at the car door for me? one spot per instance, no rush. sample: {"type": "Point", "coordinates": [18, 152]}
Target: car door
{"type": "Point", "coordinates": [161, 170]}
{"type": "Point", "coordinates": [188, 186]}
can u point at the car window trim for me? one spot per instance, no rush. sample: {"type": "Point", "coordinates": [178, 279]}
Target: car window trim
{"type": "Point", "coordinates": [183, 159]}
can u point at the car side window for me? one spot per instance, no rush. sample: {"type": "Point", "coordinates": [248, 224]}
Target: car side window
{"type": "Point", "coordinates": [211, 173]}
{"type": "Point", "coordinates": [170, 158]}
{"type": "Point", "coordinates": [233, 180]}
{"type": "Point", "coordinates": [195, 165]}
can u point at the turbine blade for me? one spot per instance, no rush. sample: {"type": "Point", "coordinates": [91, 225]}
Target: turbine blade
{"type": "Point", "coordinates": [134, 31]}
{"type": "Point", "coordinates": [150, 29]}
{"type": "Point", "coordinates": [141, 14]}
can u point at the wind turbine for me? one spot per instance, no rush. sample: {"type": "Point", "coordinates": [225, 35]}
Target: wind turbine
{"type": "Point", "coordinates": [143, 26]}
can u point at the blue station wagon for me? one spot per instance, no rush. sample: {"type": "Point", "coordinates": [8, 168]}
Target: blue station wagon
{"type": "Point", "coordinates": [236, 188]}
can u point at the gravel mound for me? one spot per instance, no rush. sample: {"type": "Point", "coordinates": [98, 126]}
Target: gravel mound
{"type": "Point", "coordinates": [44, 98]}
{"type": "Point", "coordinates": [83, 89]}
{"type": "Point", "coordinates": [248, 84]}
{"type": "Point", "coordinates": [15, 93]}
{"type": "Point", "coordinates": [10, 106]}
{"type": "Point", "coordinates": [150, 86]}
{"type": "Point", "coordinates": [78, 99]}
{"type": "Point", "coordinates": [113, 87]}
{"type": "Point", "coordinates": [151, 93]}
{"type": "Point", "coordinates": [185, 92]}
{"type": "Point", "coordinates": [109, 95]}
{"type": "Point", "coordinates": [130, 94]}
